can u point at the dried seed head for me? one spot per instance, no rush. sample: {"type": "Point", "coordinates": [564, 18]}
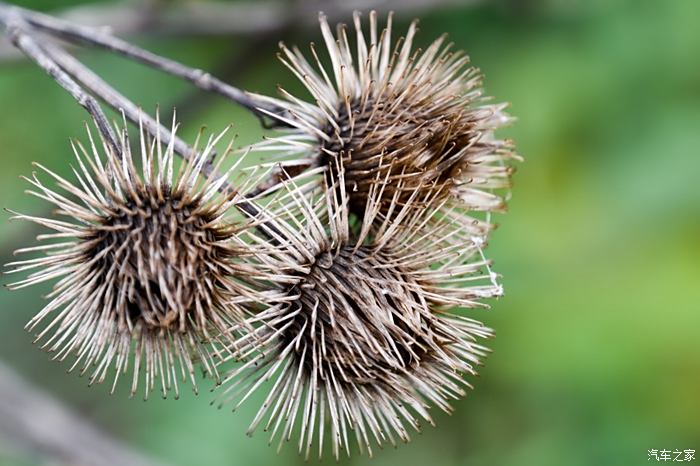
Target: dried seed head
{"type": "Point", "coordinates": [361, 339]}
{"type": "Point", "coordinates": [144, 260]}
{"type": "Point", "coordinates": [418, 116]}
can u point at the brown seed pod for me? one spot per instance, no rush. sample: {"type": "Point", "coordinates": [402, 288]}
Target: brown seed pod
{"type": "Point", "coordinates": [145, 260]}
{"type": "Point", "coordinates": [362, 339]}
{"type": "Point", "coordinates": [418, 116]}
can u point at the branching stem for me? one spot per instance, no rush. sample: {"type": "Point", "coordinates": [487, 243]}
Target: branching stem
{"type": "Point", "coordinates": [92, 36]}
{"type": "Point", "coordinates": [84, 85]}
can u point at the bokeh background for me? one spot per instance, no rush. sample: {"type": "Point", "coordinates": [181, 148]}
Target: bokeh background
{"type": "Point", "coordinates": [597, 355]}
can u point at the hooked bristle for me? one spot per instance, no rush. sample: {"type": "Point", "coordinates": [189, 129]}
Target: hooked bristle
{"type": "Point", "coordinates": [361, 338]}
{"type": "Point", "coordinates": [340, 277]}
{"type": "Point", "coordinates": [415, 116]}
{"type": "Point", "coordinates": [145, 262]}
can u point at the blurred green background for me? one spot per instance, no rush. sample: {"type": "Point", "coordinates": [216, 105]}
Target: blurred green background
{"type": "Point", "coordinates": [597, 355]}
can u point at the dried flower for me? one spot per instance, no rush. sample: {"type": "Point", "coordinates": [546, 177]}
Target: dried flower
{"type": "Point", "coordinates": [144, 261]}
{"type": "Point", "coordinates": [410, 115]}
{"type": "Point", "coordinates": [362, 338]}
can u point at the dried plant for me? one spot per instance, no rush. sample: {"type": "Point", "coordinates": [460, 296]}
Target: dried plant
{"type": "Point", "coordinates": [335, 277]}
{"type": "Point", "coordinates": [419, 115]}
{"type": "Point", "coordinates": [144, 260]}
{"type": "Point", "coordinates": [364, 339]}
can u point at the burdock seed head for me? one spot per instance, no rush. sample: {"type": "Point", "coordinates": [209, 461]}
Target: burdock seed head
{"type": "Point", "coordinates": [414, 115]}
{"type": "Point", "coordinates": [361, 342]}
{"type": "Point", "coordinates": [144, 262]}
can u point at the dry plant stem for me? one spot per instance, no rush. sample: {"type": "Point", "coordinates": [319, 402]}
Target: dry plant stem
{"type": "Point", "coordinates": [26, 43]}
{"type": "Point", "coordinates": [95, 37]}
{"type": "Point", "coordinates": [35, 424]}
{"type": "Point", "coordinates": [132, 112]}
{"type": "Point", "coordinates": [66, 70]}
{"type": "Point", "coordinates": [241, 18]}
{"type": "Point", "coordinates": [60, 64]}
{"type": "Point", "coordinates": [100, 88]}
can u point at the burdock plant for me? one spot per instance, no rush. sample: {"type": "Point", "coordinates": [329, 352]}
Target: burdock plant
{"type": "Point", "coordinates": [384, 108]}
{"type": "Point", "coordinates": [337, 284]}
{"type": "Point", "coordinates": [362, 341]}
{"type": "Point", "coordinates": [145, 262]}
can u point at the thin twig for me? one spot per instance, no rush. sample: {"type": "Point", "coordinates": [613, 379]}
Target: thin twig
{"type": "Point", "coordinates": [240, 18]}
{"type": "Point", "coordinates": [39, 425]}
{"type": "Point", "coordinates": [95, 37]}
{"type": "Point", "coordinates": [117, 101]}
{"type": "Point", "coordinates": [66, 70]}
{"type": "Point", "coordinates": [103, 91]}
{"type": "Point", "coordinates": [60, 65]}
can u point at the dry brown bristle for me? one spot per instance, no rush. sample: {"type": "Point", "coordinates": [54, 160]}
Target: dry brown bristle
{"type": "Point", "coordinates": [145, 261]}
{"type": "Point", "coordinates": [415, 116]}
{"type": "Point", "coordinates": [360, 342]}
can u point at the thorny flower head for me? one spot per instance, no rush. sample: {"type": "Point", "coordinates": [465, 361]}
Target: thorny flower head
{"type": "Point", "coordinates": [337, 292]}
{"type": "Point", "coordinates": [361, 342]}
{"type": "Point", "coordinates": [385, 108]}
{"type": "Point", "coordinates": [144, 260]}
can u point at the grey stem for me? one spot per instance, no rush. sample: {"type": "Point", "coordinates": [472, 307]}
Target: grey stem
{"type": "Point", "coordinates": [100, 88]}
{"type": "Point", "coordinates": [92, 36]}
{"type": "Point", "coordinates": [132, 112]}
{"type": "Point", "coordinates": [68, 72]}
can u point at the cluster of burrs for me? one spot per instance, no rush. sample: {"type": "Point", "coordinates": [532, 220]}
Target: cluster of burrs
{"type": "Point", "coordinates": [333, 278]}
